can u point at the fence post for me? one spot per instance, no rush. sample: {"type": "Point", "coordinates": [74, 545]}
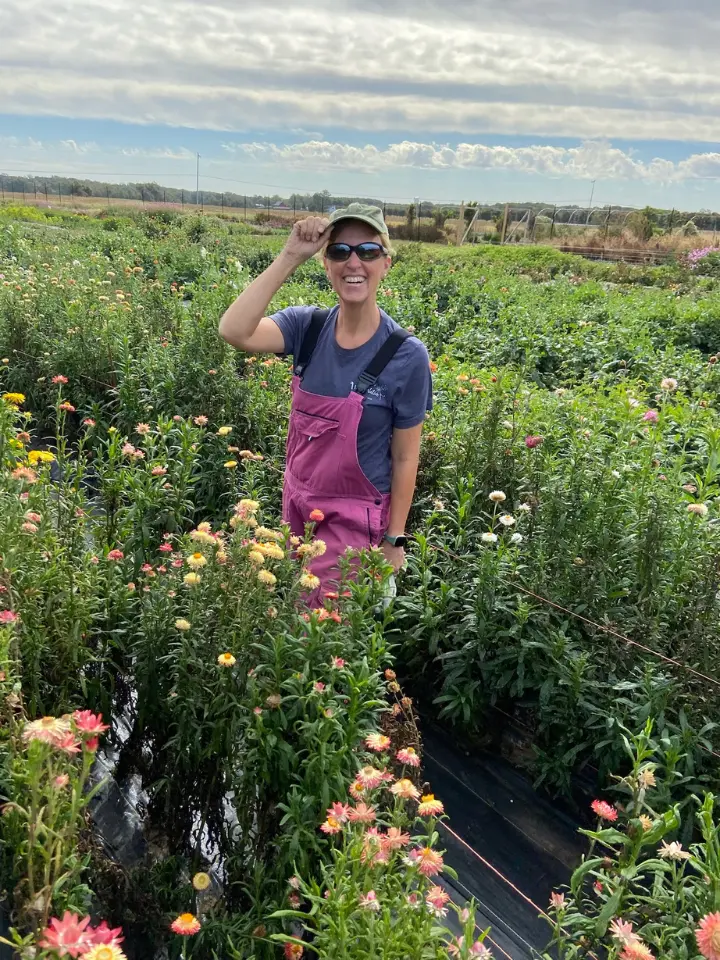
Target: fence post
{"type": "Point", "coordinates": [552, 223]}
{"type": "Point", "coordinates": [607, 225]}
{"type": "Point", "coordinates": [505, 223]}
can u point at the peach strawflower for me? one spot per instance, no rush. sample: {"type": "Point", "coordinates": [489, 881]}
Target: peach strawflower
{"type": "Point", "coordinates": [406, 789]}
{"type": "Point", "coordinates": [622, 931]}
{"type": "Point", "coordinates": [186, 925]}
{"type": "Point", "coordinates": [428, 861]}
{"type": "Point", "coordinates": [429, 806]}
{"type": "Point", "coordinates": [377, 742]}
{"type": "Point", "coordinates": [637, 950]}
{"type": "Point", "coordinates": [331, 825]}
{"type": "Point", "coordinates": [317, 516]}
{"type": "Point", "coordinates": [708, 936]}
{"type": "Point", "coordinates": [340, 811]}
{"type": "Point", "coordinates": [293, 951]}
{"type": "Point", "coordinates": [395, 839]}
{"type": "Point", "coordinates": [362, 813]}
{"type": "Point", "coordinates": [48, 729]}
{"type": "Point", "coordinates": [557, 900]}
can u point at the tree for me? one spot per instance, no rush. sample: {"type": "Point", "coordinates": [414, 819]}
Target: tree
{"type": "Point", "coordinates": [410, 215]}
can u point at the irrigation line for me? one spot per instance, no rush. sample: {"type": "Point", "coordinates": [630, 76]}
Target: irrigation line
{"type": "Point", "coordinates": [592, 623]}
{"type": "Point", "coordinates": [498, 873]}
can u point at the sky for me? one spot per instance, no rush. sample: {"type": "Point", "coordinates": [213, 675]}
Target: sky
{"type": "Point", "coordinates": [445, 100]}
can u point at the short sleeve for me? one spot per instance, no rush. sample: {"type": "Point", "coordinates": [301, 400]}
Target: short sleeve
{"type": "Point", "coordinates": [413, 396]}
{"type": "Point", "coordinates": [293, 322]}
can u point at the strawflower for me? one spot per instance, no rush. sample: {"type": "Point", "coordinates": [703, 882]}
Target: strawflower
{"type": "Point", "coordinates": [293, 951]}
{"type": "Point", "coordinates": [331, 825]}
{"type": "Point", "coordinates": [340, 811]}
{"type": "Point", "coordinates": [699, 509]}
{"type": "Point", "coordinates": [7, 616]}
{"type": "Point", "coordinates": [201, 881]}
{"type": "Point", "coordinates": [338, 663]}
{"type": "Point", "coordinates": [436, 897]}
{"type": "Point", "coordinates": [361, 813]}
{"type": "Point", "coordinates": [369, 901]}
{"type": "Point", "coordinates": [186, 925]}
{"type": "Point", "coordinates": [408, 756]}
{"type": "Point", "coordinates": [637, 950]}
{"type": "Point", "coordinates": [430, 807]}
{"type": "Point", "coordinates": [604, 810]}
{"type": "Point", "coordinates": [708, 936]}
{"type": "Point", "coordinates": [622, 931]}
{"type": "Point", "coordinates": [651, 416]}
{"type": "Point", "coordinates": [105, 934]}
{"type": "Point", "coordinates": [104, 951]}
{"type": "Point", "coordinates": [497, 496]}
{"type": "Point", "coordinates": [48, 729]}
{"type": "Point", "coordinates": [182, 624]}
{"type": "Point", "coordinates": [488, 537]}
{"type": "Point", "coordinates": [377, 742]}
{"type": "Point", "coordinates": [405, 789]}
{"type": "Point", "coordinates": [67, 936]}
{"type": "Point", "coordinates": [192, 579]}
{"type": "Point", "coordinates": [370, 778]}
{"type": "Point", "coordinates": [395, 839]}
{"type": "Point", "coordinates": [196, 561]}
{"type": "Point", "coordinates": [557, 900]}
{"type": "Point", "coordinates": [87, 722]}
{"type": "Point", "coordinates": [427, 860]}
{"type": "Point", "coordinates": [309, 581]}
{"type": "Point", "coordinates": [316, 516]}
{"type": "Point", "coordinates": [226, 660]}
{"type": "Point", "coordinates": [533, 441]}
{"type": "Point", "coordinates": [269, 579]}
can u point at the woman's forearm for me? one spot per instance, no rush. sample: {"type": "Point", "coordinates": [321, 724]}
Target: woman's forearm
{"type": "Point", "coordinates": [402, 490]}
{"type": "Point", "coordinates": [241, 319]}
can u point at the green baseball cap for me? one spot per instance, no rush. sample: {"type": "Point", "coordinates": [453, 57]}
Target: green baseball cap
{"type": "Point", "coordinates": [364, 212]}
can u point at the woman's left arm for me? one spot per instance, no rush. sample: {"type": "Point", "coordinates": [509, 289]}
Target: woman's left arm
{"type": "Point", "coordinates": [404, 455]}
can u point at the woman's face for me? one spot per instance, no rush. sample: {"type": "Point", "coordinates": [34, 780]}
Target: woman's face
{"type": "Point", "coordinates": [356, 281]}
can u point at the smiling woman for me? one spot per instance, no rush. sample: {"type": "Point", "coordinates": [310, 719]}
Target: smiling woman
{"type": "Point", "coordinates": [361, 389]}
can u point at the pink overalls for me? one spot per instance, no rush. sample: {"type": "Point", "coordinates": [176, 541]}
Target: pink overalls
{"type": "Point", "coordinates": [323, 472]}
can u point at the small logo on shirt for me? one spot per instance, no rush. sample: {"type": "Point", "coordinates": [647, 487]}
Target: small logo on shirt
{"type": "Point", "coordinates": [376, 392]}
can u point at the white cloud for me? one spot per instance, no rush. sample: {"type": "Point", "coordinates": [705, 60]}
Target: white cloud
{"type": "Point", "coordinates": [592, 160]}
{"type": "Point", "coordinates": [636, 69]}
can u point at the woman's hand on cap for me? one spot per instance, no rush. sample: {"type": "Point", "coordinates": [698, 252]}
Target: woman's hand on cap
{"type": "Point", "coordinates": [306, 238]}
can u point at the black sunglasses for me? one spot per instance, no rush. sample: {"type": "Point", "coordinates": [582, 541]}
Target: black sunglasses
{"type": "Point", "coordinates": [340, 252]}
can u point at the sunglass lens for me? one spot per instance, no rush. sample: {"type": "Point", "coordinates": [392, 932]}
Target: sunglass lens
{"type": "Point", "coordinates": [338, 251]}
{"type": "Point", "coordinates": [369, 251]}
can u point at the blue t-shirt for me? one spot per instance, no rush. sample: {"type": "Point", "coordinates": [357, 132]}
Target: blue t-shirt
{"type": "Point", "coordinates": [400, 398]}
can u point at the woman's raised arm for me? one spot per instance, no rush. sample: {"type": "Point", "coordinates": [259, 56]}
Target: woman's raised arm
{"type": "Point", "coordinates": [244, 324]}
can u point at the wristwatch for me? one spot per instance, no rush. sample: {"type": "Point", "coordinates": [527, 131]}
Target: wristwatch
{"type": "Point", "coordinates": [400, 541]}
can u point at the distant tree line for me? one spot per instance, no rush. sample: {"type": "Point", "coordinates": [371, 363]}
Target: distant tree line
{"type": "Point", "coordinates": [650, 219]}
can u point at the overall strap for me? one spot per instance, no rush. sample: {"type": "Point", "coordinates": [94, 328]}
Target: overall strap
{"type": "Point", "coordinates": [381, 359]}
{"type": "Point", "coordinates": [309, 341]}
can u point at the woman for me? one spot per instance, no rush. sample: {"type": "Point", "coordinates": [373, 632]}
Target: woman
{"type": "Point", "coordinates": [361, 388]}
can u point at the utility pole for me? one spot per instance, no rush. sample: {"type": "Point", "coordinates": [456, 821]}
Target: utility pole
{"type": "Point", "coordinates": [504, 224]}
{"type": "Point", "coordinates": [592, 193]}
{"type": "Point", "coordinates": [607, 224]}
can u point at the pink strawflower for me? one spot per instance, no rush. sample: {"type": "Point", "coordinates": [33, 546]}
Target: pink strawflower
{"type": "Point", "coordinates": [437, 898]}
{"type": "Point", "coordinates": [59, 378]}
{"type": "Point", "coordinates": [67, 407]}
{"type": "Point", "coordinates": [67, 743]}
{"type": "Point", "coordinates": [104, 934]}
{"type": "Point", "coordinates": [89, 422]}
{"type": "Point", "coordinates": [92, 744]}
{"type": "Point", "coordinates": [28, 527]}
{"type": "Point", "coordinates": [115, 555]}
{"type": "Point", "coordinates": [33, 517]}
{"type": "Point", "coordinates": [338, 663]}
{"type": "Point", "coordinates": [708, 936]}
{"type": "Point", "coordinates": [318, 686]}
{"type": "Point", "coordinates": [362, 813]}
{"type": "Point", "coordinates": [7, 616]}
{"type": "Point", "coordinates": [604, 810]}
{"type": "Point", "coordinates": [62, 780]}
{"type": "Point", "coordinates": [533, 441]}
{"type": "Point", "coordinates": [89, 723]}
{"type": "Point", "coordinates": [557, 900]}
{"type": "Point", "coordinates": [370, 778]}
{"type": "Point", "coordinates": [651, 416]}
{"type": "Point", "coordinates": [186, 925]}
{"type": "Point", "coordinates": [165, 548]}
{"type": "Point", "coordinates": [158, 471]}
{"type": "Point", "coordinates": [408, 756]}
{"type": "Point", "coordinates": [622, 931]}
{"type": "Point", "coordinates": [67, 936]}
{"type": "Point", "coordinates": [142, 429]}
{"type": "Point", "coordinates": [317, 516]}
{"type": "Point", "coordinates": [200, 421]}
{"type": "Point", "coordinates": [340, 811]}
{"type": "Point", "coordinates": [370, 901]}
{"type": "Point", "coordinates": [377, 742]}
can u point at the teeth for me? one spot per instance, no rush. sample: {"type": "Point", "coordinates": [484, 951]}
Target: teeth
{"type": "Point", "coordinates": [354, 279]}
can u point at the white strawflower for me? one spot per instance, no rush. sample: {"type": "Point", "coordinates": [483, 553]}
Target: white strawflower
{"type": "Point", "coordinates": [524, 508]}
{"type": "Point", "coordinates": [489, 537]}
{"type": "Point", "coordinates": [506, 520]}
{"type": "Point", "coordinates": [616, 474]}
{"type": "Point", "coordinates": [669, 384]}
{"type": "Point", "coordinates": [516, 538]}
{"type": "Point", "coordinates": [497, 496]}
{"type": "Point", "coordinates": [698, 508]}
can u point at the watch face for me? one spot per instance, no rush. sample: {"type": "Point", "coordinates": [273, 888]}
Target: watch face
{"type": "Point", "coordinates": [400, 541]}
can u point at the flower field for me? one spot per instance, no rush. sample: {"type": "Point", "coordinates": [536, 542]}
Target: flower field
{"type": "Point", "coordinates": [560, 602]}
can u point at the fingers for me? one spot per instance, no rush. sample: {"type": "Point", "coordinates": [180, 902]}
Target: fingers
{"type": "Point", "coordinates": [312, 229]}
